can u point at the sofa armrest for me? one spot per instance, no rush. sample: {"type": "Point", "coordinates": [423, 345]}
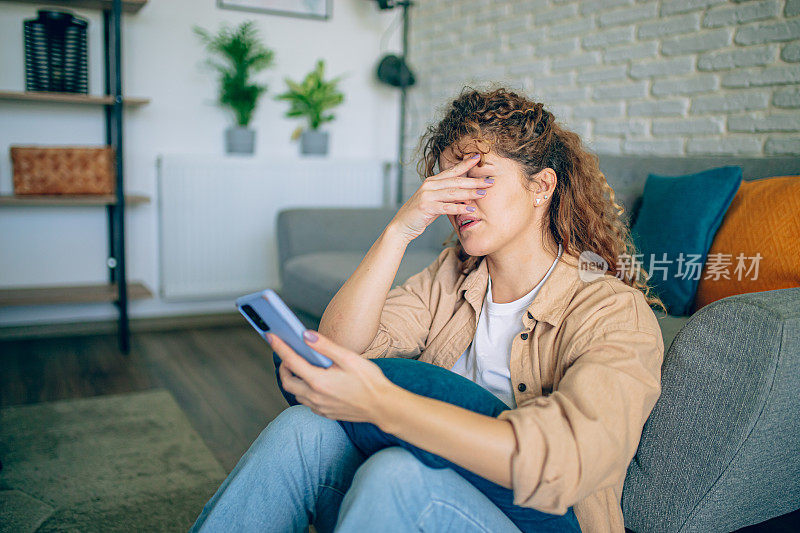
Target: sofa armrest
{"type": "Point", "coordinates": [322, 229]}
{"type": "Point", "coordinates": [721, 448]}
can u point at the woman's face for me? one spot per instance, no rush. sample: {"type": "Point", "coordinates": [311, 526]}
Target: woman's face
{"type": "Point", "coordinates": [506, 213]}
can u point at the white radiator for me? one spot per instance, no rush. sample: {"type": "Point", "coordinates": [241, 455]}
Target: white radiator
{"type": "Point", "coordinates": [218, 215]}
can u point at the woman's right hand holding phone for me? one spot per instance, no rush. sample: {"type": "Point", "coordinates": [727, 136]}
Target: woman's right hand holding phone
{"type": "Point", "coordinates": [438, 195]}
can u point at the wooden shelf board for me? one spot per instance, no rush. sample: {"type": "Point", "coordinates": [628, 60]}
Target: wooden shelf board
{"type": "Point", "coordinates": [68, 98]}
{"type": "Point", "coordinates": [61, 294]}
{"type": "Point", "coordinates": [11, 200]}
{"type": "Point", "coordinates": [128, 6]}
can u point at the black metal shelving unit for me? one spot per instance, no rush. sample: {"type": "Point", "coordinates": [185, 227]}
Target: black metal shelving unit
{"type": "Point", "coordinates": [112, 37]}
{"type": "Point", "coordinates": [118, 290]}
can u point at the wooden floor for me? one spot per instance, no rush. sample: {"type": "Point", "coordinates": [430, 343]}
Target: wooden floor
{"type": "Point", "coordinates": [222, 377]}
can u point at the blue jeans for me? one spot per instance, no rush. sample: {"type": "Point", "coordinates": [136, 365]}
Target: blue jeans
{"type": "Point", "coordinates": [304, 468]}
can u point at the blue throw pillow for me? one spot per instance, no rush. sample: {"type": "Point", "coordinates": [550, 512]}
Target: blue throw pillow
{"type": "Point", "coordinates": [681, 215]}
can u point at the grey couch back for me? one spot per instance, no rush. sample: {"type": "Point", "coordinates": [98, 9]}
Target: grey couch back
{"type": "Point", "coordinates": [297, 233]}
{"type": "Point", "coordinates": [627, 174]}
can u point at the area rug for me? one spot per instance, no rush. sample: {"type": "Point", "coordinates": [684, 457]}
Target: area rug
{"type": "Point", "coordinates": [129, 462]}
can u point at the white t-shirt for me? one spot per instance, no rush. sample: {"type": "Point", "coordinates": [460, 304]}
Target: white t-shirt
{"type": "Point", "coordinates": [486, 359]}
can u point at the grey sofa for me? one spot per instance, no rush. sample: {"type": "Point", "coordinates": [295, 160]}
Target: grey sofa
{"type": "Point", "coordinates": [721, 449]}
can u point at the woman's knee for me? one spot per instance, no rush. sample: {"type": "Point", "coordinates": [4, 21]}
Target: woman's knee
{"type": "Point", "coordinates": [298, 424]}
{"type": "Point", "coordinates": [301, 419]}
{"type": "Point", "coordinates": [392, 480]}
{"type": "Point", "coordinates": [296, 414]}
{"type": "Point", "coordinates": [391, 470]}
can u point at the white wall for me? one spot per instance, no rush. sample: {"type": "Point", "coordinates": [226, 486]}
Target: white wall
{"type": "Point", "coordinates": [162, 61]}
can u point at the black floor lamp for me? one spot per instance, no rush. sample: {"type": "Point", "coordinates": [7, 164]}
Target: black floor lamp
{"type": "Point", "coordinates": [393, 70]}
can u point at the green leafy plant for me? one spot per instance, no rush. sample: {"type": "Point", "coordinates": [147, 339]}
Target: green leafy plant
{"type": "Point", "coordinates": [238, 54]}
{"type": "Point", "coordinates": [312, 97]}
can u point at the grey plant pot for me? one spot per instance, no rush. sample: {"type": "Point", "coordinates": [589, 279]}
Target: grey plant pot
{"type": "Point", "coordinates": [314, 142]}
{"type": "Point", "coordinates": [239, 140]}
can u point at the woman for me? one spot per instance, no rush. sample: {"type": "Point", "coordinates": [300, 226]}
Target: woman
{"type": "Point", "coordinates": [574, 355]}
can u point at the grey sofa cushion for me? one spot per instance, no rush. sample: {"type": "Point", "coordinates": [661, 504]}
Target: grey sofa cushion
{"type": "Point", "coordinates": [721, 449]}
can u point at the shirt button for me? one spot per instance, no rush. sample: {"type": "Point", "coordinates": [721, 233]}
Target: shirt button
{"type": "Point", "coordinates": [524, 336]}
{"type": "Point", "coordinates": [521, 387]}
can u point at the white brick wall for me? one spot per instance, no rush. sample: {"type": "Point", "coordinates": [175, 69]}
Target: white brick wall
{"type": "Point", "coordinates": [656, 77]}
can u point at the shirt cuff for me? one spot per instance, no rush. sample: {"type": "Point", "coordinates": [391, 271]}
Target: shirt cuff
{"type": "Point", "coordinates": [529, 481]}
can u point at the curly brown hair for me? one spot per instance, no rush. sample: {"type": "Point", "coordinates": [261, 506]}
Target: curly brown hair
{"type": "Point", "coordinates": [582, 215]}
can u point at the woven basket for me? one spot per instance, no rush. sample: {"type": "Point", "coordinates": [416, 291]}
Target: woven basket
{"type": "Point", "coordinates": [63, 169]}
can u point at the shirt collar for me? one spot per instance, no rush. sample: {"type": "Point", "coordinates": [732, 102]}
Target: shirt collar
{"type": "Point", "coordinates": [551, 301]}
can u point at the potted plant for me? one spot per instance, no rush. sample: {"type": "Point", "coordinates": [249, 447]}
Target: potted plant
{"type": "Point", "coordinates": [238, 54]}
{"type": "Point", "coordinates": [311, 99]}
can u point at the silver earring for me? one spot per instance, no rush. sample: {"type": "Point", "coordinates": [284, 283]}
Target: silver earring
{"type": "Point", "coordinates": [537, 201]}
{"type": "Point", "coordinates": [545, 197]}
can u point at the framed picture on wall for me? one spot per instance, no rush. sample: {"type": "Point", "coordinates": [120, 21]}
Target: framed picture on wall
{"type": "Point", "coordinates": [316, 9]}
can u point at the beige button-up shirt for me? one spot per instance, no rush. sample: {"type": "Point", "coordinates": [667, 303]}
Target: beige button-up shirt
{"type": "Point", "coordinates": [585, 371]}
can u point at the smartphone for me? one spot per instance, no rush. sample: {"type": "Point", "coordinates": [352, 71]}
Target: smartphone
{"type": "Point", "coordinates": [266, 312]}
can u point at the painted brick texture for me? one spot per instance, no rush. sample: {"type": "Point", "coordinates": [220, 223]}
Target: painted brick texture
{"type": "Point", "coordinates": [656, 77]}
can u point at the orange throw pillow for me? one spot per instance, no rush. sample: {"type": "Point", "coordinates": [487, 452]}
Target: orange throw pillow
{"type": "Point", "coordinates": [763, 219]}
